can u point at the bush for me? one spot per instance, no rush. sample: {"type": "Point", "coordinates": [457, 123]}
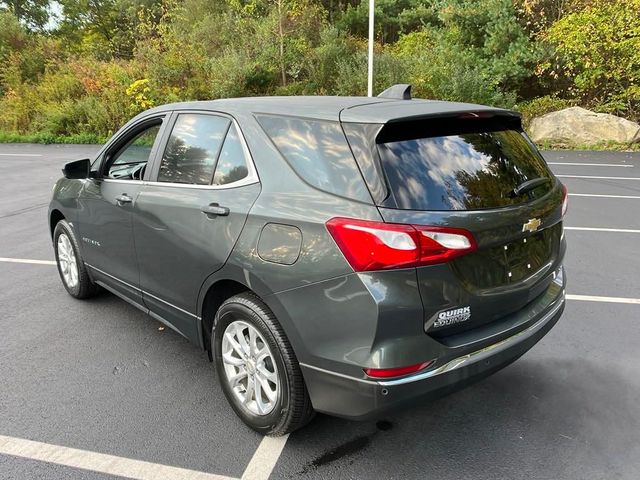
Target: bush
{"type": "Point", "coordinates": [351, 74]}
{"type": "Point", "coordinates": [323, 62]}
{"type": "Point", "coordinates": [442, 70]}
{"type": "Point", "coordinates": [79, 97]}
{"type": "Point", "coordinates": [541, 106]}
{"type": "Point", "coordinates": [22, 56]}
{"type": "Point", "coordinates": [598, 50]}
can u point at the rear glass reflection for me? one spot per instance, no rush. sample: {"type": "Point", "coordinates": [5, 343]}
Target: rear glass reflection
{"type": "Point", "coordinates": [462, 172]}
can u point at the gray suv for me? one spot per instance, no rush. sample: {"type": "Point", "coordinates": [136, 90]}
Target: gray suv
{"type": "Point", "coordinates": [345, 255]}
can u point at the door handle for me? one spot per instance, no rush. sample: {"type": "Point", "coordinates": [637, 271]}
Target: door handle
{"type": "Point", "coordinates": [214, 210]}
{"type": "Point", "coordinates": [124, 198]}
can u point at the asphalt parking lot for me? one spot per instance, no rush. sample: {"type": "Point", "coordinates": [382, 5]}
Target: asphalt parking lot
{"type": "Point", "coordinates": [94, 387]}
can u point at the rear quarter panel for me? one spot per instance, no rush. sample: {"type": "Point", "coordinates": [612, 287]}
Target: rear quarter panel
{"type": "Point", "coordinates": [286, 199]}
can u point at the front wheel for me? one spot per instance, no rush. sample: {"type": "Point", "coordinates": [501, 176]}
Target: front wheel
{"type": "Point", "coordinates": [257, 368]}
{"type": "Point", "coordinates": [71, 267]}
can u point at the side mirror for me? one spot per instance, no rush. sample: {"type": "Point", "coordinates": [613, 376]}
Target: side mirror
{"type": "Point", "coordinates": [78, 169]}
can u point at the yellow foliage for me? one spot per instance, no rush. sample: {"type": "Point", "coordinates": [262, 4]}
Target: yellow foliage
{"type": "Point", "coordinates": [138, 93]}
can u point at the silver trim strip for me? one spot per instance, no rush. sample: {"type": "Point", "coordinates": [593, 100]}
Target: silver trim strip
{"type": "Point", "coordinates": [122, 296]}
{"type": "Point", "coordinates": [170, 304]}
{"type": "Point", "coordinates": [141, 291]}
{"type": "Point", "coordinates": [240, 183]}
{"type": "Point", "coordinates": [336, 374]}
{"type": "Point", "coordinates": [250, 179]}
{"type": "Point", "coordinates": [459, 362]}
{"type": "Point", "coordinates": [123, 180]}
{"type": "Point", "coordinates": [111, 276]}
{"type": "Point", "coordinates": [479, 355]}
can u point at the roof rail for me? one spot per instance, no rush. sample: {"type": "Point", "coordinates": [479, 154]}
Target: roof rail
{"type": "Point", "coordinates": [400, 91]}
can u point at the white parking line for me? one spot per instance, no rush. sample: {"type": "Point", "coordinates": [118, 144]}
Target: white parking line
{"type": "Point", "coordinates": [20, 155]}
{"type": "Point", "coordinates": [598, 178]}
{"type": "Point", "coordinates": [27, 260]}
{"type": "Point", "coordinates": [590, 164]}
{"type": "Point", "coordinates": [98, 462]}
{"type": "Point", "coordinates": [265, 458]}
{"type": "Point", "coordinates": [590, 298]}
{"type": "Point", "coordinates": [596, 229]}
{"type": "Point", "coordinates": [635, 197]}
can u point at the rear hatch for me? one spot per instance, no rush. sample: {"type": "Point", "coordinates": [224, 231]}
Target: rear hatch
{"type": "Point", "coordinates": [479, 172]}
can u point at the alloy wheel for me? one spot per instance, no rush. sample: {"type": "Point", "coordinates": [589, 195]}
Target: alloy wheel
{"type": "Point", "coordinates": [67, 261]}
{"type": "Point", "coordinates": [250, 368]}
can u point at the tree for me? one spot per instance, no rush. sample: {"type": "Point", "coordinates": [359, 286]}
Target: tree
{"type": "Point", "coordinates": [32, 13]}
{"type": "Point", "coordinates": [107, 28]}
{"type": "Point", "coordinates": [393, 17]}
{"type": "Point", "coordinates": [598, 50]}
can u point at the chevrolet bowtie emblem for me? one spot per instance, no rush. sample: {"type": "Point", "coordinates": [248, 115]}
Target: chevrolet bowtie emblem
{"type": "Point", "coordinates": [532, 225]}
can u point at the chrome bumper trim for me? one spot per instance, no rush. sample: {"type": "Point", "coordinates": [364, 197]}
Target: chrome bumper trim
{"type": "Point", "coordinates": [479, 355]}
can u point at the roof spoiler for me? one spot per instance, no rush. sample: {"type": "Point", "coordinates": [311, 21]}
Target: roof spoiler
{"type": "Point", "coordinates": [448, 123]}
{"type": "Point", "coordinates": [400, 91]}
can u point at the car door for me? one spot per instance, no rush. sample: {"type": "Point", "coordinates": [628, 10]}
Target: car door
{"type": "Point", "coordinates": [106, 221]}
{"type": "Point", "coordinates": [188, 217]}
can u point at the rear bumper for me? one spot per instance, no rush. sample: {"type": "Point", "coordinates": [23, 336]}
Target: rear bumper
{"type": "Point", "coordinates": [361, 399]}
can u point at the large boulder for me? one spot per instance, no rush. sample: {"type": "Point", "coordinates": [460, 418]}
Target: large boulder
{"type": "Point", "coordinates": [577, 125]}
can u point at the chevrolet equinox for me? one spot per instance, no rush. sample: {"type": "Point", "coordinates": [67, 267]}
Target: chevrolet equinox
{"type": "Point", "coordinates": [345, 255]}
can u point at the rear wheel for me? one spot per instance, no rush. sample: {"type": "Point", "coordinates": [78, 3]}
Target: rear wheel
{"type": "Point", "coordinates": [257, 368]}
{"type": "Point", "coordinates": [71, 268]}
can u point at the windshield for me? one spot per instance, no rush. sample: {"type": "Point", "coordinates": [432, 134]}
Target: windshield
{"type": "Point", "coordinates": [467, 171]}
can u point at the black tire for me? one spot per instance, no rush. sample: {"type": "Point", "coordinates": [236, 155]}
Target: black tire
{"type": "Point", "coordinates": [84, 287]}
{"type": "Point", "coordinates": [293, 407]}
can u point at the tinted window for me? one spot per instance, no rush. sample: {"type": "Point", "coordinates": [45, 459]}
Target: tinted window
{"type": "Point", "coordinates": [129, 162]}
{"type": "Point", "coordinates": [192, 149]}
{"type": "Point", "coordinates": [232, 163]}
{"type": "Point", "coordinates": [462, 172]}
{"type": "Point", "coordinates": [318, 152]}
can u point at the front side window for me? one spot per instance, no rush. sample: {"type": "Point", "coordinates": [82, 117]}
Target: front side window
{"type": "Point", "coordinates": [129, 162]}
{"type": "Point", "coordinates": [192, 150]}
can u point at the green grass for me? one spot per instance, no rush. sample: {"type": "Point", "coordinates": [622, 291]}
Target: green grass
{"type": "Point", "coordinates": [598, 147]}
{"type": "Point", "coordinates": [49, 138]}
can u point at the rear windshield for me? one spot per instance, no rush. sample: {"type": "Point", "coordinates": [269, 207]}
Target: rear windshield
{"type": "Point", "coordinates": [467, 171]}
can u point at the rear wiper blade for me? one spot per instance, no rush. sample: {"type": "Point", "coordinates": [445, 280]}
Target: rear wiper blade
{"type": "Point", "coordinates": [527, 186]}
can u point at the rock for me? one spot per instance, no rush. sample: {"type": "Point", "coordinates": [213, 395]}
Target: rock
{"type": "Point", "coordinates": [575, 126]}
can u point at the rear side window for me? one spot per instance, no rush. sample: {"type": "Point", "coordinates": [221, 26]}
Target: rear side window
{"type": "Point", "coordinates": [467, 171]}
{"type": "Point", "coordinates": [232, 164]}
{"type": "Point", "coordinates": [319, 153]}
{"type": "Point", "coordinates": [192, 150]}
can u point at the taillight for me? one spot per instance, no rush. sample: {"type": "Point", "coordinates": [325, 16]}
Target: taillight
{"type": "Point", "coordinates": [565, 200]}
{"type": "Point", "coordinates": [396, 372]}
{"type": "Point", "coordinates": [379, 246]}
